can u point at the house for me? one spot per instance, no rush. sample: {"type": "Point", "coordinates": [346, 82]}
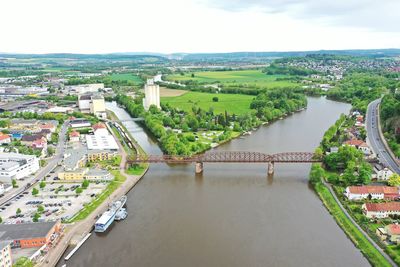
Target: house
{"type": "Point", "coordinates": [100, 129]}
{"type": "Point", "coordinates": [381, 210]}
{"type": "Point", "coordinates": [74, 136]}
{"type": "Point", "coordinates": [28, 140]}
{"type": "Point", "coordinates": [4, 138]}
{"type": "Point", "coordinates": [48, 126]}
{"type": "Point", "coordinates": [371, 192]}
{"type": "Point", "coordinates": [40, 143]}
{"type": "Point", "coordinates": [360, 145]}
{"type": "Point", "coordinates": [390, 232]}
{"type": "Point", "coordinates": [382, 173]}
{"type": "Point", "coordinates": [79, 123]}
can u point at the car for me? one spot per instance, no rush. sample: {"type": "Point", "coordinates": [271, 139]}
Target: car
{"type": "Point", "coordinates": [8, 204]}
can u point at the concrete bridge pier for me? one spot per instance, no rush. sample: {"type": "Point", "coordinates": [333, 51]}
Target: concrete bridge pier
{"type": "Point", "coordinates": [270, 168]}
{"type": "Point", "coordinates": [199, 167]}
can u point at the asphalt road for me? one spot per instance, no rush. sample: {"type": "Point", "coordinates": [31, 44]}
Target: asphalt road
{"type": "Point", "coordinates": [375, 139]}
{"type": "Point", "coordinates": [43, 171]}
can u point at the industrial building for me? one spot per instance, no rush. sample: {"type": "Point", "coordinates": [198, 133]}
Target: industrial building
{"type": "Point", "coordinates": [29, 235]}
{"type": "Point", "coordinates": [152, 94]}
{"type": "Point", "coordinates": [17, 166]}
{"type": "Point", "coordinates": [93, 104]}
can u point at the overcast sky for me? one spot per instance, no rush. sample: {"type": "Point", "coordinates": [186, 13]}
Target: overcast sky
{"type": "Point", "coordinates": [104, 26]}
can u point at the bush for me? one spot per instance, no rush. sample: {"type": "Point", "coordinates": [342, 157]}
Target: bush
{"type": "Point", "coordinates": [35, 192]}
{"type": "Point", "coordinates": [215, 99]}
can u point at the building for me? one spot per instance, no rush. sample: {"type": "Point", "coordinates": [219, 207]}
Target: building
{"type": "Point", "coordinates": [92, 103]}
{"type": "Point", "coordinates": [152, 94]}
{"type": "Point", "coordinates": [79, 123]}
{"type": "Point", "coordinates": [100, 155]}
{"type": "Point", "coordinates": [382, 173]}
{"type": "Point", "coordinates": [74, 136]}
{"type": "Point", "coordinates": [29, 235]}
{"type": "Point", "coordinates": [74, 175]}
{"type": "Point", "coordinates": [98, 175]}
{"type": "Point", "coordinates": [371, 192]}
{"type": "Point", "coordinates": [28, 140]}
{"type": "Point", "coordinates": [101, 142]}
{"type": "Point", "coordinates": [360, 145]}
{"type": "Point", "coordinates": [381, 210]}
{"type": "Point", "coordinates": [17, 166]}
{"type": "Point", "coordinates": [100, 129]}
{"type": "Point", "coordinates": [5, 254]}
{"type": "Point", "coordinates": [5, 138]}
{"type": "Point", "coordinates": [85, 88]}
{"type": "Point", "coordinates": [390, 232]}
{"type": "Point", "coordinates": [98, 106]}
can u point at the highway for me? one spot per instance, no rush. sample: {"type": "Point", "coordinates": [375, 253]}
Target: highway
{"type": "Point", "coordinates": [43, 171]}
{"type": "Point", "coordinates": [374, 137]}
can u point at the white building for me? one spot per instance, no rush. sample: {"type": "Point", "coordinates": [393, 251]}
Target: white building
{"type": "Point", "coordinates": [5, 254]}
{"type": "Point", "coordinates": [101, 142]}
{"type": "Point", "coordinates": [86, 88]}
{"type": "Point", "coordinates": [382, 173]}
{"type": "Point", "coordinates": [152, 94]}
{"type": "Point", "coordinates": [371, 192]}
{"type": "Point", "coordinates": [92, 103]}
{"type": "Point", "coordinates": [17, 166]}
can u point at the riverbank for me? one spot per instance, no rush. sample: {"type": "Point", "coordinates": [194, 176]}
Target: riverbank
{"type": "Point", "coordinates": [318, 176]}
{"type": "Point", "coordinates": [79, 229]}
{"type": "Point", "coordinates": [360, 240]}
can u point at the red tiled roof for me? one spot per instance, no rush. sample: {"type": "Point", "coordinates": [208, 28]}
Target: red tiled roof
{"type": "Point", "coordinates": [74, 134]}
{"type": "Point", "coordinates": [355, 142]}
{"type": "Point", "coordinates": [393, 229]}
{"type": "Point", "coordinates": [99, 126]}
{"type": "Point", "coordinates": [4, 136]}
{"type": "Point", "coordinates": [373, 189]}
{"type": "Point", "coordinates": [388, 206]}
{"type": "Point", "coordinates": [47, 126]}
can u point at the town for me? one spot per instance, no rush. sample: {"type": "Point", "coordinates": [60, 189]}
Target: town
{"type": "Point", "coordinates": [73, 144]}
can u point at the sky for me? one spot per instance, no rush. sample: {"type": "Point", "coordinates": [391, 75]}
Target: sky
{"type": "Point", "coordinates": [196, 26]}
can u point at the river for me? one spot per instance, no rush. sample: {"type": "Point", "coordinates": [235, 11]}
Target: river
{"type": "Point", "coordinates": [232, 214]}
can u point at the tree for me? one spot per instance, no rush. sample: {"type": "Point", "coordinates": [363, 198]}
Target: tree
{"type": "Point", "coordinates": [316, 174]}
{"type": "Point", "coordinates": [50, 151]}
{"type": "Point", "coordinates": [42, 184]}
{"type": "Point", "coordinates": [23, 262]}
{"type": "Point", "coordinates": [215, 99]}
{"type": "Point", "coordinates": [394, 180]}
{"type": "Point", "coordinates": [14, 183]}
{"type": "Point", "coordinates": [40, 208]}
{"type": "Point", "coordinates": [1, 220]}
{"type": "Point", "coordinates": [85, 184]}
{"type": "Point", "coordinates": [35, 191]}
{"type": "Point", "coordinates": [36, 217]}
{"type": "Point", "coordinates": [18, 211]}
{"type": "Point", "coordinates": [78, 190]}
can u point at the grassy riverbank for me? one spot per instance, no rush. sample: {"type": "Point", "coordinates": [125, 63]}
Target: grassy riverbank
{"type": "Point", "coordinates": [359, 240]}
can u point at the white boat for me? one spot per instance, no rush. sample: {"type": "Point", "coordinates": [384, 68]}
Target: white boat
{"type": "Point", "coordinates": [107, 218]}
{"type": "Point", "coordinates": [121, 214]}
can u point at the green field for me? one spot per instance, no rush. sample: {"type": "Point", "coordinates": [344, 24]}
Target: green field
{"type": "Point", "coordinates": [232, 103]}
{"type": "Point", "coordinates": [248, 77]}
{"type": "Point", "coordinates": [126, 77]}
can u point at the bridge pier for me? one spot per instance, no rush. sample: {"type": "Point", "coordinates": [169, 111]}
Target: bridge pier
{"type": "Point", "coordinates": [270, 168]}
{"type": "Point", "coordinates": [199, 167]}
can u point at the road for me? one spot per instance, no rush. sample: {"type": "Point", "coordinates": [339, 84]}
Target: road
{"type": "Point", "coordinates": [43, 171]}
{"type": "Point", "coordinates": [375, 139]}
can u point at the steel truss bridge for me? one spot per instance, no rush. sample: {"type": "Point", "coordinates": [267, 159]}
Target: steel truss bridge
{"type": "Point", "coordinates": [229, 157]}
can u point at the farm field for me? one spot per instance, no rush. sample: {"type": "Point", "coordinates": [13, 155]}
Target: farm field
{"type": "Point", "coordinates": [166, 92]}
{"type": "Point", "coordinates": [248, 77]}
{"type": "Point", "coordinates": [232, 103]}
{"type": "Point", "coordinates": [126, 77]}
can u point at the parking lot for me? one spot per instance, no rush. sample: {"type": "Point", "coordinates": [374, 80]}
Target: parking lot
{"type": "Point", "coordinates": [59, 201]}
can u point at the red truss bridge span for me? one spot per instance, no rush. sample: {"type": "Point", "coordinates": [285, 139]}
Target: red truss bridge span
{"type": "Point", "coordinates": [229, 157]}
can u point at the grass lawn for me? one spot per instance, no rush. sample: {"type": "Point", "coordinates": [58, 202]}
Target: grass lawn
{"type": "Point", "coordinates": [360, 241]}
{"type": "Point", "coordinates": [89, 208]}
{"type": "Point", "coordinates": [250, 77]}
{"type": "Point", "coordinates": [232, 103]}
{"type": "Point", "coordinates": [136, 170]}
{"type": "Point", "coordinates": [126, 77]}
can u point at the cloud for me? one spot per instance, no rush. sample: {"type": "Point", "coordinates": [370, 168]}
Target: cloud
{"type": "Point", "coordinates": [377, 15]}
